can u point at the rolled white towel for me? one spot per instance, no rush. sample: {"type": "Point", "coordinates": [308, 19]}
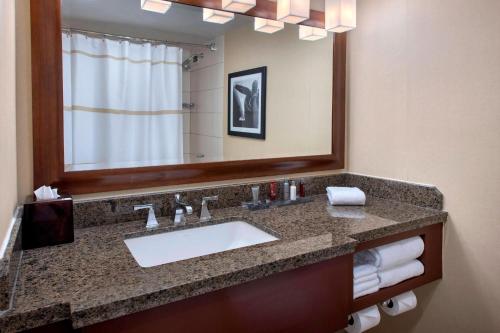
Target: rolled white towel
{"type": "Point", "coordinates": [345, 196]}
{"type": "Point", "coordinates": [366, 292]}
{"type": "Point", "coordinates": [366, 278]}
{"type": "Point", "coordinates": [400, 273]}
{"type": "Point", "coordinates": [360, 287]}
{"type": "Point", "coordinates": [397, 253]}
{"type": "Point", "coordinates": [360, 271]}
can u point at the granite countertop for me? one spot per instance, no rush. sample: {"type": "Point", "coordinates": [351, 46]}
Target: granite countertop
{"type": "Point", "coordinates": [96, 278]}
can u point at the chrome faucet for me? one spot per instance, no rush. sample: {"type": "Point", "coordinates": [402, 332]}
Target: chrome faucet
{"type": "Point", "coordinates": [205, 213]}
{"type": "Point", "coordinates": [152, 222]}
{"type": "Point", "coordinates": [181, 208]}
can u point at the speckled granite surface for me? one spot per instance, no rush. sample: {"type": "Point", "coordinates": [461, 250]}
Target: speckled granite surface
{"type": "Point", "coordinates": [96, 278]}
{"type": "Point", "coordinates": [120, 209]}
{"type": "Point", "coordinates": [9, 264]}
{"type": "Point", "coordinates": [88, 213]}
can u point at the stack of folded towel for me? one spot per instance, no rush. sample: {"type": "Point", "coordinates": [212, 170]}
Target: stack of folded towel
{"type": "Point", "coordinates": [394, 263]}
{"type": "Point", "coordinates": [365, 280]}
{"type": "Point", "coordinates": [345, 196]}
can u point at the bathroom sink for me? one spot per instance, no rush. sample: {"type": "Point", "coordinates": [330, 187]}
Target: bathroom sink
{"type": "Point", "coordinates": [168, 247]}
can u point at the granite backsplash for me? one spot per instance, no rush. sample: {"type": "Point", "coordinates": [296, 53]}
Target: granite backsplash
{"type": "Point", "coordinates": [88, 213]}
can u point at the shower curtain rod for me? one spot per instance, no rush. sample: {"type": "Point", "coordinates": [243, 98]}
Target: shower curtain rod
{"type": "Point", "coordinates": [210, 46]}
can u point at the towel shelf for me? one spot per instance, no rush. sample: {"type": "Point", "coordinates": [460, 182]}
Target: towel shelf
{"type": "Point", "coordinates": [431, 258]}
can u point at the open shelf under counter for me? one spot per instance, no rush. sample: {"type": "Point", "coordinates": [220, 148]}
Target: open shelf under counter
{"type": "Point", "coordinates": [431, 259]}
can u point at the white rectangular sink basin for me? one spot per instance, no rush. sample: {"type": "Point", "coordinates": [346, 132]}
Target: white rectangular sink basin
{"type": "Point", "coordinates": [178, 245]}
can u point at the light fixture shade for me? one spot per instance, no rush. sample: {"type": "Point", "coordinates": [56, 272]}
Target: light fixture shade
{"type": "Point", "coordinates": [268, 26]}
{"type": "Point", "coordinates": [340, 15]}
{"type": "Point", "coordinates": [311, 33]}
{"type": "Point", "coordinates": [157, 6]}
{"type": "Point", "coordinates": [238, 6]}
{"type": "Point", "coordinates": [216, 16]}
{"type": "Point", "coordinates": [293, 11]}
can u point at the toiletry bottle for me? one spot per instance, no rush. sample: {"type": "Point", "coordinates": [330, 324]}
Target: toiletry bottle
{"type": "Point", "coordinates": [255, 195]}
{"type": "Point", "coordinates": [273, 191]}
{"type": "Point", "coordinates": [286, 190]}
{"type": "Point", "coordinates": [302, 188]}
{"type": "Point", "coordinates": [293, 191]}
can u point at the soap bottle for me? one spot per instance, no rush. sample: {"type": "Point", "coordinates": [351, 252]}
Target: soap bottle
{"type": "Point", "coordinates": [293, 191]}
{"type": "Point", "coordinates": [302, 188]}
{"type": "Point", "coordinates": [273, 191]}
{"type": "Point", "coordinates": [286, 190]}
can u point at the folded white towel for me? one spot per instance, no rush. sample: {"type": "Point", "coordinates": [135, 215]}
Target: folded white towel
{"type": "Point", "coordinates": [366, 278]}
{"type": "Point", "coordinates": [359, 287]}
{"type": "Point", "coordinates": [360, 271]}
{"type": "Point", "coordinates": [397, 253]}
{"type": "Point", "coordinates": [345, 196]}
{"type": "Point", "coordinates": [400, 273]}
{"type": "Point", "coordinates": [365, 258]}
{"type": "Point", "coordinates": [366, 292]}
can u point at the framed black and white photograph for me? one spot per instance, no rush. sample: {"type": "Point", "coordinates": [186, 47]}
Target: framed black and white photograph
{"type": "Point", "coordinates": [247, 103]}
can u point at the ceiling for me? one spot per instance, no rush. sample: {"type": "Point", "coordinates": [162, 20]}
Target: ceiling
{"type": "Point", "coordinates": [181, 23]}
{"type": "Point", "coordinates": [125, 17]}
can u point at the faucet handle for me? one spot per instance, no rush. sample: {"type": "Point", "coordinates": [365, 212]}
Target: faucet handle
{"type": "Point", "coordinates": [187, 207]}
{"type": "Point", "coordinates": [152, 222]}
{"type": "Point", "coordinates": [205, 213]}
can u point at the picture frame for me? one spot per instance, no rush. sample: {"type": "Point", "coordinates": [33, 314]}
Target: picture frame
{"type": "Point", "coordinates": [247, 103]}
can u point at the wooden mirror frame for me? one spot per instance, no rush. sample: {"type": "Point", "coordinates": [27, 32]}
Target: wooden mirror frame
{"type": "Point", "coordinates": [48, 133]}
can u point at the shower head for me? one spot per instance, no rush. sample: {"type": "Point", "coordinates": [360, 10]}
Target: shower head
{"type": "Point", "coordinates": [186, 64]}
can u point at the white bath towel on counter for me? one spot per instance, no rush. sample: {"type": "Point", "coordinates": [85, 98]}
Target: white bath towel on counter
{"type": "Point", "coordinates": [397, 253]}
{"type": "Point", "coordinates": [395, 275]}
{"type": "Point", "coordinates": [345, 196]}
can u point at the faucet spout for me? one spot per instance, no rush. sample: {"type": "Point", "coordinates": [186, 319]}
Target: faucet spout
{"type": "Point", "coordinates": [180, 209]}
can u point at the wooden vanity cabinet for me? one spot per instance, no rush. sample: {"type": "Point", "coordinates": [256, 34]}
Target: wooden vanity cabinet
{"type": "Point", "coordinates": [315, 298]}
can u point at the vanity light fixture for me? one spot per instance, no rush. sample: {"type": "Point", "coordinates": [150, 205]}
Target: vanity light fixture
{"type": "Point", "coordinates": [157, 6]}
{"type": "Point", "coordinates": [238, 6]}
{"type": "Point", "coordinates": [311, 33]}
{"type": "Point", "coordinates": [340, 15]}
{"type": "Point", "coordinates": [293, 11]}
{"type": "Point", "coordinates": [268, 26]}
{"type": "Point", "coordinates": [216, 16]}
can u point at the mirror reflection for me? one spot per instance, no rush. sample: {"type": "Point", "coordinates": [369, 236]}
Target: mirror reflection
{"type": "Point", "coordinates": [143, 88]}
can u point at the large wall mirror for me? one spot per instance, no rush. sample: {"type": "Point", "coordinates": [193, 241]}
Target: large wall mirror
{"type": "Point", "coordinates": [148, 98]}
{"type": "Point", "coordinates": [144, 88]}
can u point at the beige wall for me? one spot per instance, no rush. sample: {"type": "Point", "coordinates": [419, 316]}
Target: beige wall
{"type": "Point", "coordinates": [8, 176]}
{"type": "Point", "coordinates": [424, 106]}
{"type": "Point", "coordinates": [23, 100]}
{"type": "Point", "coordinates": [299, 90]}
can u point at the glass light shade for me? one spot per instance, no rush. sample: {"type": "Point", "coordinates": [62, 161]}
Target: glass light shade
{"type": "Point", "coordinates": [268, 26]}
{"type": "Point", "coordinates": [311, 33]}
{"type": "Point", "coordinates": [157, 6]}
{"type": "Point", "coordinates": [340, 15]}
{"type": "Point", "coordinates": [293, 11]}
{"type": "Point", "coordinates": [216, 16]}
{"type": "Point", "coordinates": [238, 6]}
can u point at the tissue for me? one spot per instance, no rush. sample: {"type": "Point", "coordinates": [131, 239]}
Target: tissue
{"type": "Point", "coordinates": [46, 193]}
{"type": "Point", "coordinates": [364, 320]}
{"type": "Point", "coordinates": [400, 304]}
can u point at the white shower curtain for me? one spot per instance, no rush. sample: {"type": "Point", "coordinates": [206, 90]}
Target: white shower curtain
{"type": "Point", "coordinates": [122, 103]}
